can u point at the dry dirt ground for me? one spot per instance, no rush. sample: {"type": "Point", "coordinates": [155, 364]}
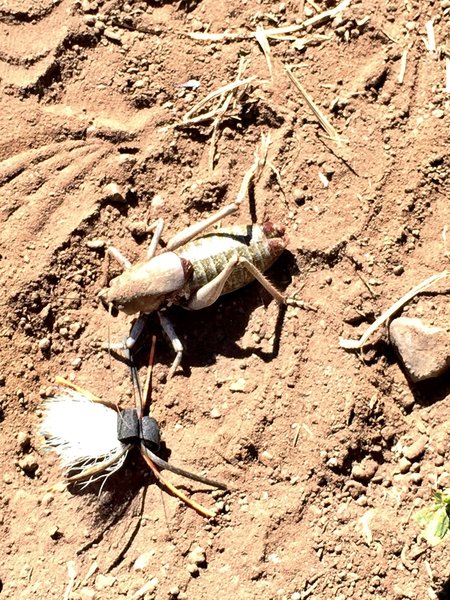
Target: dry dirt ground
{"type": "Point", "coordinates": [308, 437]}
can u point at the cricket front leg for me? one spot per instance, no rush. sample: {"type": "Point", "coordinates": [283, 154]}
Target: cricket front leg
{"type": "Point", "coordinates": [174, 340]}
{"type": "Point", "coordinates": [112, 252]}
{"type": "Point", "coordinates": [131, 339]}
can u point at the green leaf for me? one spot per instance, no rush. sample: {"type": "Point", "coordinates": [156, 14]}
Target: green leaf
{"type": "Point", "coordinates": [436, 525]}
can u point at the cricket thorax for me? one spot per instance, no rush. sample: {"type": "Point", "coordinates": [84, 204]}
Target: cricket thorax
{"type": "Point", "coordinates": [145, 286]}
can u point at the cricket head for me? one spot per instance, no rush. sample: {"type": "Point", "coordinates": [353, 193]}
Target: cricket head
{"type": "Point", "coordinates": [276, 236]}
{"type": "Point", "coordinates": [147, 285]}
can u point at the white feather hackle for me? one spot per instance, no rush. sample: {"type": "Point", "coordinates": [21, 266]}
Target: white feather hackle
{"type": "Point", "coordinates": [84, 435]}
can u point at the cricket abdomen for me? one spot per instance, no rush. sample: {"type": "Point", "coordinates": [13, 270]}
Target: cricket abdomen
{"type": "Point", "coordinates": [209, 254]}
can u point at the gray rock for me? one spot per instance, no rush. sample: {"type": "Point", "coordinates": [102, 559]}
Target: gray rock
{"type": "Point", "coordinates": [424, 350]}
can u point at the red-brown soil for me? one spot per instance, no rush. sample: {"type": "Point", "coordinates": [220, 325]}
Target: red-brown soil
{"type": "Point", "coordinates": [321, 505]}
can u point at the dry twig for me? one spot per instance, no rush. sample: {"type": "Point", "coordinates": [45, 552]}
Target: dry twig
{"type": "Point", "coordinates": [431, 40]}
{"type": "Point", "coordinates": [274, 32]}
{"type": "Point", "coordinates": [261, 38]}
{"type": "Point", "coordinates": [358, 344]}
{"type": "Point", "coordinates": [189, 119]}
{"type": "Point", "coordinates": [223, 106]}
{"type": "Point", "coordinates": [401, 75]}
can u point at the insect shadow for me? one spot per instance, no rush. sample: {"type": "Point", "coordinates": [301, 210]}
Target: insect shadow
{"type": "Point", "coordinates": [444, 592]}
{"type": "Point", "coordinates": [216, 330]}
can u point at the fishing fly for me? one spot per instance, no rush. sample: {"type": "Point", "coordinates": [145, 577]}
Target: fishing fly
{"type": "Point", "coordinates": [93, 437]}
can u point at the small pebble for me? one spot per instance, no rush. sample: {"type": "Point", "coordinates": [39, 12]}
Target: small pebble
{"type": "Point", "coordinates": [142, 562]}
{"type": "Point", "coordinates": [137, 229]}
{"type": "Point", "coordinates": [404, 465]}
{"type": "Point", "coordinates": [438, 113]}
{"type": "Point", "coordinates": [398, 270]}
{"type": "Point", "coordinates": [24, 441]}
{"type": "Point", "coordinates": [28, 464]}
{"type": "Point", "coordinates": [75, 328]}
{"type": "Point", "coordinates": [238, 385]}
{"type": "Point", "coordinates": [113, 192]}
{"type": "Point", "coordinates": [44, 344]}
{"type": "Point", "coordinates": [193, 570]}
{"type": "Point", "coordinates": [215, 413]}
{"type": "Point", "coordinates": [89, 20]}
{"type": "Point", "coordinates": [365, 470]}
{"type": "Point", "coordinates": [86, 6]}
{"type": "Point", "coordinates": [113, 36]}
{"type": "Point", "coordinates": [415, 450]}
{"type": "Point", "coordinates": [197, 556]}
{"type": "Point", "coordinates": [424, 350]}
{"type": "Point", "coordinates": [47, 499]}
{"type": "Point", "coordinates": [88, 594]}
{"type": "Point", "coordinates": [96, 244]}
{"type": "Point", "coordinates": [54, 532]}
{"type": "Point", "coordinates": [76, 363]}
{"type": "Point", "coordinates": [7, 477]}
{"type": "Point", "coordinates": [104, 581]}
{"type": "Point", "coordinates": [157, 201]}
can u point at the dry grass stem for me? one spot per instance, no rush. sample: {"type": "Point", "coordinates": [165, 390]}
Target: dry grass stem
{"type": "Point", "coordinates": [327, 14]}
{"type": "Point", "coordinates": [312, 40]}
{"type": "Point", "coordinates": [330, 130]}
{"type": "Point", "coordinates": [389, 37]}
{"type": "Point", "coordinates": [401, 75]}
{"type": "Point", "coordinates": [323, 179]}
{"type": "Point", "coordinates": [314, 5]}
{"type": "Point", "coordinates": [274, 32]}
{"type": "Point", "coordinates": [72, 572]}
{"type": "Point", "coordinates": [444, 240]}
{"type": "Point", "coordinates": [189, 119]}
{"type": "Point", "coordinates": [76, 388]}
{"type": "Point", "coordinates": [201, 36]}
{"type": "Point", "coordinates": [261, 38]}
{"type": "Point", "coordinates": [73, 386]}
{"type": "Point", "coordinates": [223, 105]}
{"type": "Point", "coordinates": [358, 344]}
{"type": "Point", "coordinates": [447, 75]}
{"type": "Point", "coordinates": [431, 40]}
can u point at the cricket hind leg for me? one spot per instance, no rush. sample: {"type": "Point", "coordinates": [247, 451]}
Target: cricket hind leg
{"type": "Point", "coordinates": [209, 293]}
{"type": "Point", "coordinates": [248, 181]}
